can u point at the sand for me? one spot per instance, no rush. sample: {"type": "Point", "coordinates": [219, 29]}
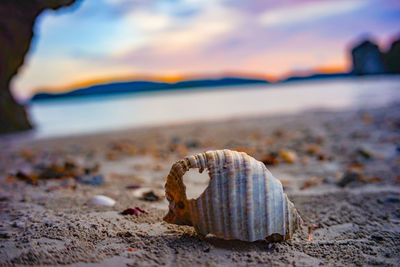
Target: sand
{"type": "Point", "coordinates": [344, 180]}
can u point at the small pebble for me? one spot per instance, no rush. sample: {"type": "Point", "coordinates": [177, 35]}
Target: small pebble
{"type": "Point", "coordinates": [288, 155]}
{"type": "Point", "coordinates": [101, 200]}
{"type": "Point", "coordinates": [91, 179]}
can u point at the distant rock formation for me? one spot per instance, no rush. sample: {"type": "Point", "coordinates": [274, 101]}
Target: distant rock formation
{"type": "Point", "coordinates": [392, 58]}
{"type": "Point", "coordinates": [367, 59]}
{"type": "Point", "coordinates": [148, 86]}
{"type": "Point", "coordinates": [17, 18]}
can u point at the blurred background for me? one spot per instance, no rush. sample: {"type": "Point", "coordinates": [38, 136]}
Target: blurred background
{"type": "Point", "coordinates": [115, 64]}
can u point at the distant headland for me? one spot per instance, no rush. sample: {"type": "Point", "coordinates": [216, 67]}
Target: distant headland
{"type": "Point", "coordinates": [148, 86]}
{"type": "Point", "coordinates": [367, 59]}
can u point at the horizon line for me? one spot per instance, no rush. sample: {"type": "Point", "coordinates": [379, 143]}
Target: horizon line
{"type": "Point", "coordinates": [171, 79]}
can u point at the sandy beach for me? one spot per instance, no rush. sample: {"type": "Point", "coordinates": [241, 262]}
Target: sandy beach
{"type": "Point", "coordinates": [340, 169]}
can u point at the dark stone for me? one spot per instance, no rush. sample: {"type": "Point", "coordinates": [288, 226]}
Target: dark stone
{"type": "Point", "coordinates": [150, 196]}
{"type": "Point", "coordinates": [4, 235]}
{"type": "Point", "coordinates": [16, 31]}
{"type": "Point", "coordinates": [348, 178]}
{"type": "Point", "coordinates": [365, 154]}
{"type": "Point", "coordinates": [377, 237]}
{"type": "Point", "coordinates": [367, 59]}
{"type": "Point", "coordinates": [388, 200]}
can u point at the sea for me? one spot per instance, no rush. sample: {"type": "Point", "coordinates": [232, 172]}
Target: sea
{"type": "Point", "coordinates": [104, 113]}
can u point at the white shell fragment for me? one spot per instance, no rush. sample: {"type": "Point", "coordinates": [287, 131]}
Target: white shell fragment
{"type": "Point", "coordinates": [242, 201]}
{"type": "Point", "coordinates": [101, 200]}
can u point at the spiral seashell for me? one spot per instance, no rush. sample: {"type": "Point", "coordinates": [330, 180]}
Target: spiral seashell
{"type": "Point", "coordinates": [242, 201]}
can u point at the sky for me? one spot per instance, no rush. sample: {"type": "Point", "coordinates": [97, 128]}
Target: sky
{"type": "Point", "coordinates": [97, 41]}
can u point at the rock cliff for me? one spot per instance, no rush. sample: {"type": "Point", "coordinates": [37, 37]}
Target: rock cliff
{"type": "Point", "coordinates": [392, 58]}
{"type": "Point", "coordinates": [17, 18]}
{"type": "Point", "coordinates": [367, 59]}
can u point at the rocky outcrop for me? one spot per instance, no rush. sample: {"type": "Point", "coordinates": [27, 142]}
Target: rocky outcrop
{"type": "Point", "coordinates": [367, 59]}
{"type": "Point", "coordinates": [16, 31]}
{"type": "Point", "coordinates": [392, 58]}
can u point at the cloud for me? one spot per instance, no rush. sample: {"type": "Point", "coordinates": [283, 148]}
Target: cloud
{"type": "Point", "coordinates": [163, 33]}
{"type": "Point", "coordinates": [146, 21]}
{"type": "Point", "coordinates": [206, 28]}
{"type": "Point", "coordinates": [308, 12]}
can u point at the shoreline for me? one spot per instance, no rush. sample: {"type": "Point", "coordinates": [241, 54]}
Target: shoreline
{"type": "Point", "coordinates": [156, 109]}
{"type": "Point", "coordinates": [344, 180]}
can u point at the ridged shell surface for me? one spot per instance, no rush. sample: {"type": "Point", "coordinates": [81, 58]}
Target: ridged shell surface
{"type": "Point", "coordinates": [242, 201]}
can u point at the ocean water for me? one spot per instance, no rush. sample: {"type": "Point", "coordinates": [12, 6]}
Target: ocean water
{"type": "Point", "coordinates": [71, 116]}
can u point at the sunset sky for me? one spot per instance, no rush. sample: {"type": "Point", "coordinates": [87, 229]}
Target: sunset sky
{"type": "Point", "coordinates": [99, 40]}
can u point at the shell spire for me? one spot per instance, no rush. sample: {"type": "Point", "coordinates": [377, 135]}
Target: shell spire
{"type": "Point", "coordinates": [242, 201]}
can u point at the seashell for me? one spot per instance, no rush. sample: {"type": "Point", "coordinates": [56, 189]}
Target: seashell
{"type": "Point", "coordinates": [242, 201]}
{"type": "Point", "coordinates": [101, 200]}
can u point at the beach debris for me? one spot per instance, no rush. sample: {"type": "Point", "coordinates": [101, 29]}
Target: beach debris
{"type": "Point", "coordinates": [312, 182]}
{"type": "Point", "coordinates": [242, 201]}
{"type": "Point", "coordinates": [148, 193]}
{"type": "Point", "coordinates": [364, 153]}
{"type": "Point", "coordinates": [374, 179]}
{"type": "Point", "coordinates": [192, 144]}
{"type": "Point", "coordinates": [112, 155]}
{"type": "Point", "coordinates": [387, 200]}
{"type": "Point", "coordinates": [310, 229]}
{"type": "Point", "coordinates": [28, 178]}
{"type": "Point", "coordinates": [133, 211]}
{"type": "Point", "coordinates": [100, 200]}
{"type": "Point", "coordinates": [10, 179]}
{"type": "Point", "coordinates": [279, 133]}
{"type": "Point", "coordinates": [133, 186]}
{"type": "Point", "coordinates": [313, 149]}
{"type": "Point", "coordinates": [150, 196]}
{"type": "Point", "coordinates": [355, 167]}
{"type": "Point", "coordinates": [5, 235]}
{"type": "Point", "coordinates": [288, 155]}
{"type": "Point", "coordinates": [89, 179]}
{"type": "Point", "coordinates": [348, 178]}
{"type": "Point", "coordinates": [27, 154]}
{"type": "Point", "coordinates": [62, 171]}
{"type": "Point", "coordinates": [355, 175]}
{"type": "Point", "coordinates": [366, 118]}
{"type": "Point", "coordinates": [4, 198]}
{"type": "Point", "coordinates": [377, 237]}
{"type": "Point", "coordinates": [124, 147]}
{"type": "Point", "coordinates": [271, 159]}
